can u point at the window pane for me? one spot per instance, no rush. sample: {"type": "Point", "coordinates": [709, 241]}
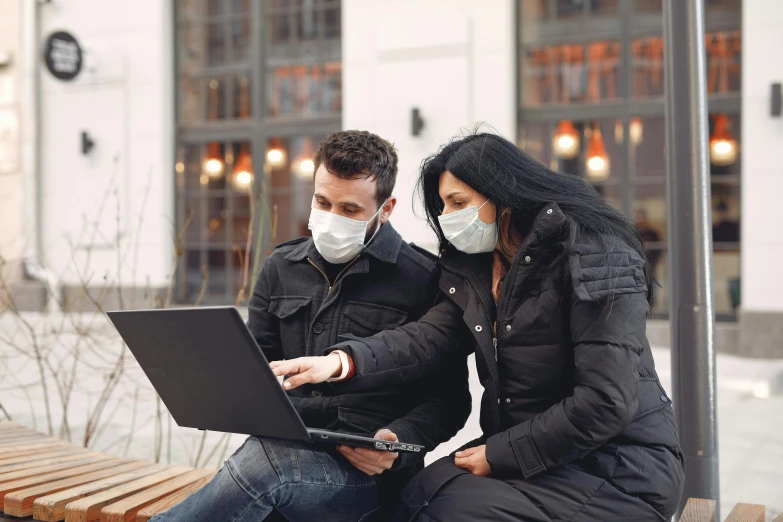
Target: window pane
{"type": "Point", "coordinates": [308, 21]}
{"type": "Point", "coordinates": [240, 38]}
{"type": "Point", "coordinates": [542, 20]}
{"type": "Point", "coordinates": [216, 43]}
{"type": "Point", "coordinates": [302, 90]}
{"type": "Point", "coordinates": [216, 98]}
{"type": "Point", "coordinates": [536, 140]}
{"type": "Point", "coordinates": [242, 97]}
{"type": "Point", "coordinates": [215, 7]}
{"type": "Point", "coordinates": [216, 188]}
{"type": "Point", "coordinates": [332, 27]}
{"type": "Point", "coordinates": [565, 74]}
{"type": "Point", "coordinates": [289, 168]}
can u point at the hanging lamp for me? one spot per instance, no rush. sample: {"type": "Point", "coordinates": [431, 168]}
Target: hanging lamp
{"type": "Point", "coordinates": [723, 147]}
{"type": "Point", "coordinates": [565, 142]}
{"type": "Point", "coordinates": [242, 179]}
{"type": "Point", "coordinates": [597, 160]}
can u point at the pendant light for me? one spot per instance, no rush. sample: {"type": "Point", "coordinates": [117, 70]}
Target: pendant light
{"type": "Point", "coordinates": [242, 179]}
{"type": "Point", "coordinates": [597, 159]}
{"type": "Point", "coordinates": [636, 130]}
{"type": "Point", "coordinates": [723, 147]}
{"type": "Point", "coordinates": [213, 164]}
{"type": "Point", "coordinates": [304, 165]}
{"type": "Point", "coordinates": [275, 153]}
{"type": "Point", "coordinates": [565, 142]}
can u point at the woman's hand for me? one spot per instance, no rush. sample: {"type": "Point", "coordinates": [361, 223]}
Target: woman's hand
{"type": "Point", "coordinates": [474, 460]}
{"type": "Point", "coordinates": [369, 461]}
{"type": "Point", "coordinates": [306, 370]}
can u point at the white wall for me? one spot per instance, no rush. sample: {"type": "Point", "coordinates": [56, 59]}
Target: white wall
{"type": "Point", "coordinates": [11, 233]}
{"type": "Point", "coordinates": [123, 98]}
{"type": "Point", "coordinates": [762, 170]}
{"type": "Point", "coordinates": [452, 59]}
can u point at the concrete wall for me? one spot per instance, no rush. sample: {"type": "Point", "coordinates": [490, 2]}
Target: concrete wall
{"type": "Point", "coordinates": [124, 99]}
{"type": "Point", "coordinates": [451, 59]}
{"type": "Point", "coordinates": [761, 321]}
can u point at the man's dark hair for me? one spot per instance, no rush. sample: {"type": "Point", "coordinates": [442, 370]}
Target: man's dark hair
{"type": "Point", "coordinates": [356, 154]}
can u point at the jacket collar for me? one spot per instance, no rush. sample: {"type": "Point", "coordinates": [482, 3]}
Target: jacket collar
{"type": "Point", "coordinates": [384, 247]}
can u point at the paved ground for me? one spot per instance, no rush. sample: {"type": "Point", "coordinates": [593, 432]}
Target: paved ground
{"type": "Point", "coordinates": [750, 416]}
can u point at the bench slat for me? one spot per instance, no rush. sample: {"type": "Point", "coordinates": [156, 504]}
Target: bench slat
{"type": "Point", "coordinates": [20, 503]}
{"type": "Point", "coordinates": [8, 487]}
{"type": "Point", "coordinates": [89, 508]}
{"type": "Point", "coordinates": [33, 459]}
{"type": "Point", "coordinates": [29, 452]}
{"type": "Point", "coordinates": [36, 465]}
{"type": "Point", "coordinates": [166, 503]}
{"type": "Point", "coordinates": [51, 508]}
{"type": "Point", "coordinates": [125, 510]}
{"type": "Point", "coordinates": [747, 513]}
{"type": "Point", "coordinates": [699, 510]}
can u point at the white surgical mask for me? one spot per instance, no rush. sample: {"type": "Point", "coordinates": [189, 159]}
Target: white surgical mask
{"type": "Point", "coordinates": [467, 232]}
{"type": "Point", "coordinates": [339, 239]}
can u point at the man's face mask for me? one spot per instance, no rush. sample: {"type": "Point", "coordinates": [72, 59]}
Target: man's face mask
{"type": "Point", "coordinates": [467, 232]}
{"type": "Point", "coordinates": [339, 239]}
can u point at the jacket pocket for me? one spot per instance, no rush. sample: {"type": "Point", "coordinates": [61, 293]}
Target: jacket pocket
{"type": "Point", "coordinates": [293, 314]}
{"type": "Point", "coordinates": [362, 421]}
{"type": "Point", "coordinates": [365, 319]}
{"type": "Point", "coordinates": [652, 397]}
{"type": "Point", "coordinates": [284, 307]}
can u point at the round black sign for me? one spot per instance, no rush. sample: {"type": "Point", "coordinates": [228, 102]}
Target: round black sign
{"type": "Point", "coordinates": [63, 55]}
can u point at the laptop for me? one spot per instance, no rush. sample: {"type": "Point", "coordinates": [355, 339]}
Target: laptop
{"type": "Point", "coordinates": [211, 375]}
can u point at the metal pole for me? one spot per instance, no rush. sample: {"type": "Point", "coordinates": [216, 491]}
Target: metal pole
{"type": "Point", "coordinates": [690, 246]}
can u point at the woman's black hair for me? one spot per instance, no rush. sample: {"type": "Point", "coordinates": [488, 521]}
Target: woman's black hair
{"type": "Point", "coordinates": [497, 169]}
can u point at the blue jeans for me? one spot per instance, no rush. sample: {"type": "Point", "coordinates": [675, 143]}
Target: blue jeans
{"type": "Point", "coordinates": [298, 480]}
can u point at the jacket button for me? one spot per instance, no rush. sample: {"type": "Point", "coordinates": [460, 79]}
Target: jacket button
{"type": "Point", "coordinates": [318, 328]}
{"type": "Point", "coordinates": [664, 398]}
{"type": "Point", "coordinates": [452, 290]}
{"type": "Point", "coordinates": [316, 394]}
{"type": "Point", "coordinates": [527, 259]}
{"type": "Point", "coordinates": [549, 211]}
{"type": "Point", "coordinates": [508, 401]}
{"type": "Point", "coordinates": [508, 327]}
{"type": "Point", "coordinates": [478, 328]}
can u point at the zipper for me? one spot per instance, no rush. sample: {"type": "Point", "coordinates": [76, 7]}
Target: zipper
{"type": "Point", "coordinates": [329, 283]}
{"type": "Point", "coordinates": [489, 318]}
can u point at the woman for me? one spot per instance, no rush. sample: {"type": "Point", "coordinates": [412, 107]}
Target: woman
{"type": "Point", "coordinates": [550, 285]}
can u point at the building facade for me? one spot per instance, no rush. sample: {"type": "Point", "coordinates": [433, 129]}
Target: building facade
{"type": "Point", "coordinates": [204, 115]}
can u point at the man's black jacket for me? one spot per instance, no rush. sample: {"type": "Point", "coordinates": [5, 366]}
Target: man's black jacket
{"type": "Point", "coordinates": [297, 311]}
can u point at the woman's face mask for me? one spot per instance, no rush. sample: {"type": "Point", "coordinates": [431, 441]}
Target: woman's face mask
{"type": "Point", "coordinates": [339, 239]}
{"type": "Point", "coordinates": [467, 232]}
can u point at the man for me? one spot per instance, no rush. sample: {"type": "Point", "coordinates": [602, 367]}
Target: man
{"type": "Point", "coordinates": [355, 275]}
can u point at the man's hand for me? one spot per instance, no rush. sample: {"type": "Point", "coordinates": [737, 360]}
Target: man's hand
{"type": "Point", "coordinates": [370, 461]}
{"type": "Point", "coordinates": [474, 460]}
{"type": "Point", "coordinates": [306, 370]}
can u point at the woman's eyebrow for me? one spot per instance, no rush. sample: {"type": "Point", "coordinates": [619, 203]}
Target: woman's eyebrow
{"type": "Point", "coordinates": [452, 194]}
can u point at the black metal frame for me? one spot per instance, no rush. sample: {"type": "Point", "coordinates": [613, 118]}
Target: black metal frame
{"type": "Point", "coordinates": [625, 106]}
{"type": "Point", "coordinates": [256, 130]}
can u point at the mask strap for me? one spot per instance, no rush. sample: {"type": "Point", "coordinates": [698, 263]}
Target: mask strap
{"type": "Point", "coordinates": [482, 205]}
{"type": "Point", "coordinates": [379, 224]}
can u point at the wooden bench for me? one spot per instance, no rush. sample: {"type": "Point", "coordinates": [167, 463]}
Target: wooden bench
{"type": "Point", "coordinates": [51, 480]}
{"type": "Point", "coordinates": [702, 510]}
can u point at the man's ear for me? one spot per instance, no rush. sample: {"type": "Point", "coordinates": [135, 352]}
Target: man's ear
{"type": "Point", "coordinates": [388, 208]}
